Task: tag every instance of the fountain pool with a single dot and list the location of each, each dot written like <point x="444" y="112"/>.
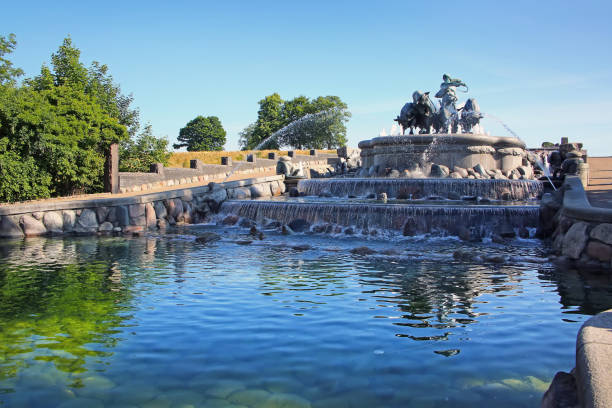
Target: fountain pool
<point x="291" y="321"/>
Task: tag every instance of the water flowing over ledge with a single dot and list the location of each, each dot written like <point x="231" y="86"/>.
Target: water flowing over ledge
<point x="418" y="188"/>
<point x="420" y="219"/>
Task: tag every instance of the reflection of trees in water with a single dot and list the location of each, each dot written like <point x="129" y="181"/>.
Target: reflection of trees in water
<point x="590" y="293"/>
<point x="64" y="301"/>
<point x="441" y="290"/>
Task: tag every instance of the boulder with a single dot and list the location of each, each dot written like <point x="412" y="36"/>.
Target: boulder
<point x="230" y="220"/>
<point x="160" y="210"/>
<point x="362" y="251"/>
<point x="272" y="225"/>
<point x="275" y="189"/>
<point x="294" y="192"/>
<point x="31" y="226"/>
<point x="68" y="220"/>
<point x="410" y="228"/>
<point x="150" y="216"/>
<point x="349" y="231"/>
<point x="561" y="393"/>
<point x="299" y="225"/>
<point x="260" y="190"/>
<point x="215" y="197"/>
<point x="106" y="227"/>
<point x="461" y="171"/>
<point x="87" y="222"/>
<point x="38" y="215"/>
<point x="123" y="216"/>
<point x="208" y="237"/>
<point x="174" y="207"/>
<point x="102" y="213"/>
<point x="599" y="250"/>
<point x="478" y="169"/>
<point x="575" y="240"/>
<point x="525" y="171"/>
<point x="54" y="222"/>
<point x="603" y="233"/>
<point x="439" y="170"/>
<point x="241" y="193"/>
<point x="455" y="175"/>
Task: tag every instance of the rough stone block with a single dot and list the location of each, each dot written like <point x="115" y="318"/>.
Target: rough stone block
<point x="260" y="190"/>
<point x="102" y="214"/>
<point x="68" y="220"/>
<point x="123" y="217"/>
<point x="106" y="227"/>
<point x="575" y="240"/>
<point x="87" y="222"/>
<point x="603" y="233"/>
<point x="137" y="210"/>
<point x="461" y="171"/>
<point x="38" y="215"/>
<point x="599" y="250"/>
<point x="151" y="219"/>
<point x="241" y="193"/>
<point x="54" y="222"/>
<point x="275" y="189"/>
<point x="9" y="227"/>
<point x="160" y="210"/>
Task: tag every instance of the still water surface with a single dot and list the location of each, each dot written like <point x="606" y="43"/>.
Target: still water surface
<point x="164" y="321"/>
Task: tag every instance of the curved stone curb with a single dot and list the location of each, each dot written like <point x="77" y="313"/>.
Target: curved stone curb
<point x="594" y="361"/>
<point x="576" y="204"/>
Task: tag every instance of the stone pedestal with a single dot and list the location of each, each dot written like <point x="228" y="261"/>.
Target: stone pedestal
<point x="111" y="170"/>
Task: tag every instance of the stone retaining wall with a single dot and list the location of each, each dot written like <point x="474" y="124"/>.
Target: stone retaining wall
<point x="129" y="214"/>
<point x="174" y="176"/>
<point x="581" y="233"/>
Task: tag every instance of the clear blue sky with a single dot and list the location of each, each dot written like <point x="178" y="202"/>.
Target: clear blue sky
<point x="543" y="67"/>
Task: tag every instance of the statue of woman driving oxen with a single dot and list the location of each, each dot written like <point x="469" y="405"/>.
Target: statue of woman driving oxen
<point x="422" y="113"/>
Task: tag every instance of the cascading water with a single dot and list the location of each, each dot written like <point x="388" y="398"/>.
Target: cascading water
<point x="518" y="190"/>
<point x="422" y="218"/>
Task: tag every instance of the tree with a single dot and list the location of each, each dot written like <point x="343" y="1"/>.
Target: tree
<point x="306" y="124"/>
<point x="137" y="154"/>
<point x="8" y="74"/>
<point x="202" y="133"/>
<point x="53" y="134"/>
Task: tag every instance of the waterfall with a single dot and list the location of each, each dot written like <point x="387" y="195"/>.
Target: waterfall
<point x="517" y="190"/>
<point x="442" y="219"/>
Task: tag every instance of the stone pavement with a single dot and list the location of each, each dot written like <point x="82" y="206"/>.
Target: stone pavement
<point x="599" y="189"/>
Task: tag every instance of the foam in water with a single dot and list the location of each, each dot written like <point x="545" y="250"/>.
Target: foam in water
<point x="520" y="190"/>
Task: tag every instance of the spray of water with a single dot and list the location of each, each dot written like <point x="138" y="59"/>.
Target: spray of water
<point x="538" y="161"/>
<point x="292" y="128"/>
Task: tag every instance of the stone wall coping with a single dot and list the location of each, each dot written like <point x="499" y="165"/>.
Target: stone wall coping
<point x="576" y="205"/>
<point x="454" y="138"/>
<point x="594" y="361"/>
<point x="143" y="198"/>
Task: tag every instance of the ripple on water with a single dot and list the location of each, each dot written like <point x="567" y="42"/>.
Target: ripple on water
<point x="164" y="321"/>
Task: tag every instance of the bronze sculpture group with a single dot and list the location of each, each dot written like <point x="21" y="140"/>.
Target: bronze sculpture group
<point x="423" y="114"/>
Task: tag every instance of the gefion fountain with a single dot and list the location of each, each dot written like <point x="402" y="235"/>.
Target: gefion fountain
<point x="445" y="177"/>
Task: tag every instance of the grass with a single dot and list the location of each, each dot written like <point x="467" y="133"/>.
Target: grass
<point x="181" y="159"/>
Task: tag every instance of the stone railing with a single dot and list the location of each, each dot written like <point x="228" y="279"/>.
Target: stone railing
<point x="582" y="233"/>
<point x="161" y="177"/>
<point x="131" y="214"/>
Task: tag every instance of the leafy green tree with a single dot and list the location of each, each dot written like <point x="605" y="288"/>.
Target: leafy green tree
<point x="137" y="154"/>
<point x="8" y="73"/>
<point x="269" y="120"/>
<point x="308" y="124"/>
<point x="202" y="133"/>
